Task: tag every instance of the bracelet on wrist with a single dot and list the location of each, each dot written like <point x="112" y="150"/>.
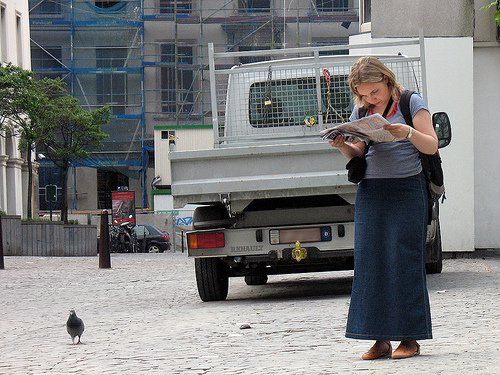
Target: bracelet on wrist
<point x="410" y="132"/>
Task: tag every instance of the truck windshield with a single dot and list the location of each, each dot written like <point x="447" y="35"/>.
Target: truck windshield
<point x="292" y="102"/>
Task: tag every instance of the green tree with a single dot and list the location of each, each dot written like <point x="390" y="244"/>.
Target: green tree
<point x="22" y="100"/>
<point x="68" y="132"/>
<point x="494" y="4"/>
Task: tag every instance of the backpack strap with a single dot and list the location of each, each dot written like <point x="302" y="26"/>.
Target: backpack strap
<point x="404" y="105"/>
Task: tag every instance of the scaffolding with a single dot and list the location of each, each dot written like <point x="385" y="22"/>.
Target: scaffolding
<point x="148" y="59"/>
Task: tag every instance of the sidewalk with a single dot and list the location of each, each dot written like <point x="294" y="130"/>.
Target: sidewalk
<point x="144" y="316"/>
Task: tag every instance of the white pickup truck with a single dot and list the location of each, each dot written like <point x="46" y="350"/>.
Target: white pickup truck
<point x="274" y="198"/>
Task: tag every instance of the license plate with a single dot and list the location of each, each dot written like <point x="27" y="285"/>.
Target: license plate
<point x="312" y="234"/>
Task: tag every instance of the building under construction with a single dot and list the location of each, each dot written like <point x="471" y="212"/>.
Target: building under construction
<point x="147" y="60"/>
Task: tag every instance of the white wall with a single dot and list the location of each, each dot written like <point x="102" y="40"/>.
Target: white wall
<point x="15" y="49"/>
<point x="20" y="8"/>
<point x="449" y="65"/>
<point x="187" y="139"/>
<point x="486" y="140"/>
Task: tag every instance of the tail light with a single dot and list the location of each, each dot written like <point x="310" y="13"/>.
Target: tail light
<point x="164" y="237"/>
<point x="206" y="240"/>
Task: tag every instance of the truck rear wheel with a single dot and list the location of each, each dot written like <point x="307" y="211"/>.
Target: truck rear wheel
<point x="256" y="279"/>
<point x="212" y="279"/>
<point x="436" y="250"/>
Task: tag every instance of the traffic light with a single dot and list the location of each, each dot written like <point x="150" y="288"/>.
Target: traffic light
<point x="51" y="193"/>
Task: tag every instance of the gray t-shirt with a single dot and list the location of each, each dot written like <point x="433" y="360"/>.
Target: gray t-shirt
<point x="394" y="159"/>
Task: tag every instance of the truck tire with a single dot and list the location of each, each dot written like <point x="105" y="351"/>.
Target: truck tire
<point x="436" y="250"/>
<point x="256" y="279"/>
<point x="212" y="279"/>
<point x="210" y="217"/>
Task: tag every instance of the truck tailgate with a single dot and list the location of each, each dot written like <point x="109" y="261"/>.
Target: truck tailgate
<point x="253" y="172"/>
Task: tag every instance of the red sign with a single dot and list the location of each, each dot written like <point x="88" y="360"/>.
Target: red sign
<point x="123" y="207"/>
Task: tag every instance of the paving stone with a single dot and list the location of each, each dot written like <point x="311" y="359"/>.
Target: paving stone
<point x="144" y="316"/>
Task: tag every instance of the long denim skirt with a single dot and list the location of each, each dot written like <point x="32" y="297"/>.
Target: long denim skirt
<point x="389" y="299"/>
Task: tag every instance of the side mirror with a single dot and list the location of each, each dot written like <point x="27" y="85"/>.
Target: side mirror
<point x="442" y="126"/>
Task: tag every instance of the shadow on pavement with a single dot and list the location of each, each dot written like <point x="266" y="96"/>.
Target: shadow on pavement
<point x="293" y="289"/>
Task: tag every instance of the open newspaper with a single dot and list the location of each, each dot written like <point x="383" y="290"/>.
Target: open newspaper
<point x="369" y="128"/>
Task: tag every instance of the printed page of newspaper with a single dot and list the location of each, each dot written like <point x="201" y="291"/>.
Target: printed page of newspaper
<point x="369" y="128"/>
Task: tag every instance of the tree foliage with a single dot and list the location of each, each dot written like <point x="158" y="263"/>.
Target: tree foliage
<point x="494" y="4"/>
<point x="68" y="133"/>
<point x="43" y="114"/>
<point x="22" y="99"/>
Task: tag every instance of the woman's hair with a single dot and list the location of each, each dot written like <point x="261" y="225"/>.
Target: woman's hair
<point x="369" y="69"/>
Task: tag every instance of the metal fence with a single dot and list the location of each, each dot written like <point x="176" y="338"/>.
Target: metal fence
<point x="295" y="95"/>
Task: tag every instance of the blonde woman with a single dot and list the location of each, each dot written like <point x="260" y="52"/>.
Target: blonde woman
<point x="389" y="299"/>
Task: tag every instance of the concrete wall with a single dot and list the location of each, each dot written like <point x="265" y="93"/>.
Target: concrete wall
<point x="453" y="95"/>
<point x="404" y="18"/>
<point x="485" y="29"/>
<point x="476" y="213"/>
<point x="17" y="50"/>
<point x="86" y="188"/>
<point x="186" y="139"/>
<point x="486" y="138"/>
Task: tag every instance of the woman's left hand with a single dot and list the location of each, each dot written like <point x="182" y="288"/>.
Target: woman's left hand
<point x="399" y="131"/>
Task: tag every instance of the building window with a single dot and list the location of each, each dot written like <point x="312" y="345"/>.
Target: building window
<point x="254" y="6"/>
<point x="175" y="6"/>
<point x="19" y="40"/>
<point x="367" y="11"/>
<point x="332" y="5"/>
<point x="3" y="36"/>
<point x="177" y="79"/>
<point x="106" y="3"/>
<point x="111" y="86"/>
<point x="318" y="42"/>
<point x="366" y="16"/>
<point x="168" y="134"/>
<point x="47" y="7"/>
<point x="252" y="59"/>
<point x="46" y="62"/>
<point x="46" y="58"/>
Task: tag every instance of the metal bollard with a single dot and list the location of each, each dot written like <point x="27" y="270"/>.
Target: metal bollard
<point x="104" y="256"/>
<point x="2" y="266"/>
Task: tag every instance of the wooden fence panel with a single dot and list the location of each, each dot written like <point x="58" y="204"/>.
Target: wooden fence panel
<point x="11" y="230"/>
<point x="47" y="238"/>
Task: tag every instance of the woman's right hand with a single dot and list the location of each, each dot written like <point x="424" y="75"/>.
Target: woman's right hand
<point x="338" y="142"/>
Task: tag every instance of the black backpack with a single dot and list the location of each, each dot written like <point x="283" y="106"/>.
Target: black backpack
<point x="431" y="164"/>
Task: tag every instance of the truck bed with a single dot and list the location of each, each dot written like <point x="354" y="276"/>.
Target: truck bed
<point x="258" y="172"/>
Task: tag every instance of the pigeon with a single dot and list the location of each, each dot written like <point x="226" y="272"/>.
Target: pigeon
<point x="74" y="326"/>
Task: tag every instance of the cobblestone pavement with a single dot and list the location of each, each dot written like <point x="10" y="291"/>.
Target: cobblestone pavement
<point x="144" y="316"/>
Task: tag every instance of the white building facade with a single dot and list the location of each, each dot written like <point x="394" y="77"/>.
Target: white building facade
<point x="14" y="49"/>
<point x="462" y="57"/>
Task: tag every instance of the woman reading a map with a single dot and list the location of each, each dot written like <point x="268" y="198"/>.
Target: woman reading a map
<point x="389" y="299"/>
